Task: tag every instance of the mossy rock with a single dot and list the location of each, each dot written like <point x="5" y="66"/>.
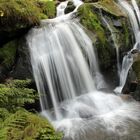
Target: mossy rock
<point x="91" y="16"/>
<point x="24" y="125"/>
<point x="18" y="16"/>
<point x="90" y="20"/>
<point x="47" y="7"/>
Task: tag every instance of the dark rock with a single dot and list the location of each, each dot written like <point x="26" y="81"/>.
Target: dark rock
<point x="133" y="86"/>
<point x="70" y="7"/>
<point x="7" y="58"/>
<point x="3" y="73"/>
<point x="22" y="68"/>
<point x="135" y="51"/>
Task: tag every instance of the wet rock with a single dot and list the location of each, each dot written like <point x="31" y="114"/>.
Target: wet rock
<point x="70" y="7"/>
<point x="22" y="68"/>
<point x="135" y="51"/>
<point x="133" y="86"/>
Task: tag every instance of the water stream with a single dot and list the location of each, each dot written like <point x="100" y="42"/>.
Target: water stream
<point x="128" y="58"/>
<point x="68" y="79"/>
<point x="115" y="43"/>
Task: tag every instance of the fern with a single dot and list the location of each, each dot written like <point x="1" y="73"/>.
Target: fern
<point x="24" y="125"/>
<point x="15" y="94"/>
<point x="17" y="123"/>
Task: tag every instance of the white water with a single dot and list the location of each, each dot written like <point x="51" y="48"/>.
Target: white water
<point x="128" y="59"/>
<point x="68" y="83"/>
<point x="115" y="43"/>
<point x="61" y="8"/>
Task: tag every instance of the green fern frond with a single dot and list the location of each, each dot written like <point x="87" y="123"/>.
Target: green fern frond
<point x="15" y="94"/>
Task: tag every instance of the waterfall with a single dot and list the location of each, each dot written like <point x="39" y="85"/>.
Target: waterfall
<point x="115" y="43"/>
<point x="61" y="7"/>
<point x="128" y="59"/>
<point x="68" y="80"/>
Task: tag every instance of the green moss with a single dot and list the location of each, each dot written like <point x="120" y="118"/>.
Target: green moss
<point x="8" y="53"/>
<point x="91" y="21"/>
<point x="47" y="7"/>
<point x="24" y="125"/>
<point x="18" y="14"/>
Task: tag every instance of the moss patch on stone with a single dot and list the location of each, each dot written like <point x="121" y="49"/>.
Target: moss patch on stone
<point x="90" y="20"/>
<point x="47" y="7"/>
<point x="20" y="14"/>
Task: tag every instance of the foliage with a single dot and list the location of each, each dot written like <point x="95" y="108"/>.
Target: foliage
<point x="18" y="83"/>
<point x="15" y="94"/>
<point x="24" y="125"/>
<point x="4" y="113"/>
<point x="15" y="122"/>
<point x="8" y="53"/>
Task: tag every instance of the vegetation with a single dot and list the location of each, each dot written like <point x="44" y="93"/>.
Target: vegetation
<point x="17" y="123"/>
<point x="24" y="125"/>
<point x="15" y="94"/>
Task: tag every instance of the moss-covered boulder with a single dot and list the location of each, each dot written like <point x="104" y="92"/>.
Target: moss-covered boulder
<point x="17" y="16"/>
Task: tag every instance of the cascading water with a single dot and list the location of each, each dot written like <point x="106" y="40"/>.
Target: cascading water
<point x="68" y="83"/>
<point x="61" y="7"/>
<point x="128" y="59"/>
<point x="115" y="43"/>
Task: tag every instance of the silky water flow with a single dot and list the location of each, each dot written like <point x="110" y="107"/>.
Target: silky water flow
<point x="68" y="79"/>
